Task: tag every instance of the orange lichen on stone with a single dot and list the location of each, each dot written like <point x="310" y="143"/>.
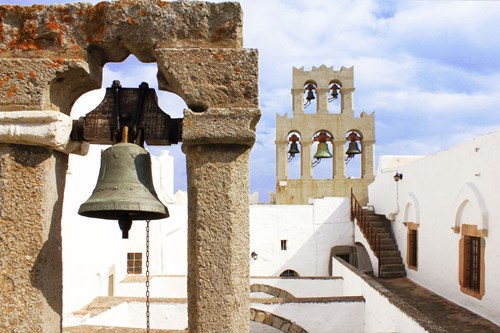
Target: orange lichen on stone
<point x="55" y="62"/>
<point x="131" y="21"/>
<point x="95" y="27"/>
<point x="52" y="24"/>
<point x="142" y="13"/>
<point x="237" y="69"/>
<point x="219" y="56"/>
<point x="32" y="74"/>
<point x="12" y="91"/>
<point x="20" y="75"/>
<point x="2" y="83"/>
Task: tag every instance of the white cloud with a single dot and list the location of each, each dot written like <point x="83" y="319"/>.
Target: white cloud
<point x="429" y="69"/>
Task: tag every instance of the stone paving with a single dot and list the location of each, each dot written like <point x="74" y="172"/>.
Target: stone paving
<point x="449" y="317"/>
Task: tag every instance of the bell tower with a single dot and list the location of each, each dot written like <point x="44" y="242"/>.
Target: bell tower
<point x="323" y="129"/>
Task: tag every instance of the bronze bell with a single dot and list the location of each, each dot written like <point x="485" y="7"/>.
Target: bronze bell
<point x="294" y="149"/>
<point x="322" y="151"/>
<point x="353" y="149"/>
<point x="124" y="189"/>
<point x="310" y="95"/>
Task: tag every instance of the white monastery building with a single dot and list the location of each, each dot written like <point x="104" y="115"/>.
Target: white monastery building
<point x="310" y="261"/>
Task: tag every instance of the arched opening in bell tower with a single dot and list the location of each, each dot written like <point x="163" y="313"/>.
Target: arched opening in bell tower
<point x="353" y="154"/>
<point x="322" y="149"/>
<point x="310" y="97"/>
<point x="114" y="266"/>
<point x="334" y="96"/>
<point x="294" y="155"/>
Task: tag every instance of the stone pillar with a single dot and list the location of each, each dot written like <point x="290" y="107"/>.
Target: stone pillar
<point x="367" y="159"/>
<point x="339" y="159"/>
<point x="322" y="100"/>
<point x="31" y="194"/>
<point x="32" y="179"/>
<point x="306" y="159"/>
<point x="346" y="101"/>
<point x="298" y="101"/>
<point x="217" y="145"/>
<point x="281" y="160"/>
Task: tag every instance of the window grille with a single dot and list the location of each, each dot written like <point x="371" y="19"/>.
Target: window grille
<point x="412" y="248"/>
<point x="472" y="264"/>
<point x="134" y="263"/>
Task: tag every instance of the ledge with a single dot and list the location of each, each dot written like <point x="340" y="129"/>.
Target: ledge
<point x="40" y="128"/>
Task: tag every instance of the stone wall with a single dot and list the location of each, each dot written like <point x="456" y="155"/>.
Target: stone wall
<point x="51" y="55"/>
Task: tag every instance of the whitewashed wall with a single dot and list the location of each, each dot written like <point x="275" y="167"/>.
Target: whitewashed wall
<point x="380" y="315"/>
<point x="429" y="194"/>
<point x="93" y="249"/>
<point x="310" y="230"/>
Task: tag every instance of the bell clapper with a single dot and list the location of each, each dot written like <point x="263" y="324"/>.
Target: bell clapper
<point x="125" y="224"/>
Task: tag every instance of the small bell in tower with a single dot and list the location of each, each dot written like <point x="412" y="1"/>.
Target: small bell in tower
<point x="310" y="94"/>
<point x="322" y="150"/>
<point x="294" y="147"/>
<point x="353" y="148"/>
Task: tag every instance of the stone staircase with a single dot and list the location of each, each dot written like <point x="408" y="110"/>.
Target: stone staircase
<point x="390" y="261"/>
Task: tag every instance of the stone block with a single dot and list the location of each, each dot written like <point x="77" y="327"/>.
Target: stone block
<point x="43" y="84"/>
<point x="277" y="322"/>
<point x="210" y="78"/>
<point x="220" y="126"/>
<point x="260" y="316"/>
<point x="268" y="320"/>
<point x="110" y="31"/>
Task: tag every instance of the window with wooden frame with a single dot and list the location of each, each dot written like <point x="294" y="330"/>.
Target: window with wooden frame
<point x="134" y="263"/>
<point x="471" y="265"/>
<point x="412" y="246"/>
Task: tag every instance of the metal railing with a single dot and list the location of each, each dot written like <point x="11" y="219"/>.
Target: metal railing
<point x="371" y="235"/>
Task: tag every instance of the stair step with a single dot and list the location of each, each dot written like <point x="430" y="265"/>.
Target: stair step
<point x="388" y="247"/>
<point x="392" y="267"/>
<point x="391" y="260"/>
<point x="392" y="275"/>
<point x="390" y="253"/>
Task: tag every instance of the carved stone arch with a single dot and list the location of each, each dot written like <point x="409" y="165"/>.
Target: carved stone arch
<point x="310" y="81"/>
<point x="411" y="208"/>
<point x="51" y="55"/>
<point x="357" y="131"/>
<point x="270" y="319"/>
<point x="469" y="207"/>
<point x="336" y="81"/>
<point x="270" y="290"/>
<point x="294" y="131"/>
<point x="329" y="132"/>
<point x="204" y="63"/>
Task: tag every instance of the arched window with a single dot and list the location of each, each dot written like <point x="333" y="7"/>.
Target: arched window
<point x="289" y="273"/>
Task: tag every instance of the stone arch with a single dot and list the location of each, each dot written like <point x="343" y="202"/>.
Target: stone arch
<point x="203" y="63"/>
<point x="52" y="54"/>
<point x="270" y="319"/>
<point x="411" y="208"/>
<point x="470" y="204"/>
<point x="270" y="290"/>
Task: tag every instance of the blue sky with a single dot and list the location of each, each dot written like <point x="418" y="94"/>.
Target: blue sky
<point x="430" y="70"/>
